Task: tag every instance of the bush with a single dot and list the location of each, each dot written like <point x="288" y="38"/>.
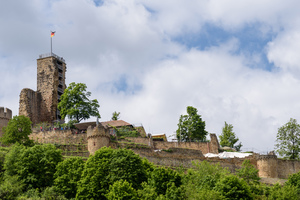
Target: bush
<point x="10" y="188"/>
<point x="279" y="192"/>
<point x="248" y="172"/>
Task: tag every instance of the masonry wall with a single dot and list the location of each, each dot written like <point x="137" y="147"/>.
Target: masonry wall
<point x="287" y="167"/>
<point x="59" y="137"/>
<point x="47" y="85"/>
<point x="205" y="147"/>
<point x="5" y="116"/>
<point x="29" y="104"/>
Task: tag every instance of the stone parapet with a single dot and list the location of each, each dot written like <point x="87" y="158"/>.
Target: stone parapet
<point x="5" y="116"/>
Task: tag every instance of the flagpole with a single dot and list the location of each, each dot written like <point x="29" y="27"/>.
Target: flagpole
<point x="51" y="46"/>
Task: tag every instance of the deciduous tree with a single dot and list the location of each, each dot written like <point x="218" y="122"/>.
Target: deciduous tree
<point x="191" y="127"/>
<point x="75" y="103"/>
<point x="115" y="116"/>
<point x="288" y="140"/>
<point x="17" y="130"/>
<point x="228" y="137"/>
<point x="34" y="166"/>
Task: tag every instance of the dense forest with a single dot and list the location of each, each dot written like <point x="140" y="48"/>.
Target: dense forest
<point x="41" y="172"/>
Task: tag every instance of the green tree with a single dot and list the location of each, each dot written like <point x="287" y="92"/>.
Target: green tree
<point x="248" y="172"/>
<point x="121" y="190"/>
<point x="34" y="166"/>
<point x="191" y="127"/>
<point x="115" y="116"/>
<point x="231" y="187"/>
<point x="200" y="180"/>
<point x="17" y="130"/>
<point x="161" y="177"/>
<point x="67" y="174"/>
<point x="107" y="166"/>
<point x="228" y="137"/>
<point x="294" y="180"/>
<point x="286" y="192"/>
<point x="75" y="103"/>
<point x="288" y="140"/>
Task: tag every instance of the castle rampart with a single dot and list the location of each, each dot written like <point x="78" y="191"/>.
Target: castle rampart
<point x="97" y="138"/>
<point x="5" y="116"/>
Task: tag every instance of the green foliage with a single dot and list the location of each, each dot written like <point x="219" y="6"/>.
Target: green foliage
<point x="286" y="192"/>
<point x="49" y="193"/>
<point x="231" y="187"/>
<point x="203" y="176"/>
<point x="121" y="190"/>
<point x="107" y="166"/>
<point x="147" y="192"/>
<point x="288" y="140"/>
<point x="125" y="131"/>
<point x="10" y="188"/>
<point x="228" y="137"/>
<point x="75" y="103"/>
<point x="294" y="180"/>
<point x="248" y="172"/>
<point x="35" y="166"/>
<point x="17" y="130"/>
<point x="3" y="152"/>
<point x="115" y="116"/>
<point x="191" y="127"/>
<point x="68" y="173"/>
<point x="161" y="177"/>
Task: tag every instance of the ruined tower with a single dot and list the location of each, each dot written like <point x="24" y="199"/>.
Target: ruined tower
<point x="5" y="116"/>
<point x="41" y="105"/>
<point x="97" y="138"/>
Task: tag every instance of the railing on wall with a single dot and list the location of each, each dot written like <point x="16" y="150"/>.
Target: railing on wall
<point x="51" y="55"/>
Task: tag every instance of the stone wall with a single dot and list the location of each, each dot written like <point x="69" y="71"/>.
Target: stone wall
<point x="5" y="116"/>
<point x="29" y="104"/>
<point x="59" y="137"/>
<point x="205" y="147"/>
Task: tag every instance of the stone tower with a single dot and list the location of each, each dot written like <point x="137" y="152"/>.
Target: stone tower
<point x="51" y="76"/>
<point x="97" y="138"/>
<point x="41" y="105"/>
<point x="5" y="116"/>
<point x="267" y="166"/>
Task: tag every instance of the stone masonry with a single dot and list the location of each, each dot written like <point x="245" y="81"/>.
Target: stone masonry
<point x="5" y="116"/>
<point x="41" y="105"/>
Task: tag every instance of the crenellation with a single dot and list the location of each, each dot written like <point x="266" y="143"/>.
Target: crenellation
<point x="5" y="116"/>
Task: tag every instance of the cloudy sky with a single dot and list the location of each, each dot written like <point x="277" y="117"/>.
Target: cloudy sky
<point x="235" y="61"/>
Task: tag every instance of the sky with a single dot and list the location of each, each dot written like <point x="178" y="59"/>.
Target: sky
<point x="235" y="61"/>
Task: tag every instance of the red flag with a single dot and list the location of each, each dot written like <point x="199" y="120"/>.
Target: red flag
<point x="52" y="33"/>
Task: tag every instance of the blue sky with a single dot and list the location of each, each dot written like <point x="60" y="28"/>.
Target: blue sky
<point x="235" y="61"/>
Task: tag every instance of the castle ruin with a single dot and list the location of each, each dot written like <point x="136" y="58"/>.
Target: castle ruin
<point x="41" y="105"/>
<point x="5" y="116"/>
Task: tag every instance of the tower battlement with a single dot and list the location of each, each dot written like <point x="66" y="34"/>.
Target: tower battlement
<point x="5" y="116"/>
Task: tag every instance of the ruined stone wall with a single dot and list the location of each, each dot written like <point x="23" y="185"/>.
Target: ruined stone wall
<point x="5" y="116"/>
<point x="29" y="104"/>
<point x="59" y="137"/>
<point x="267" y="165"/>
<point x="205" y="147"/>
<point x="287" y="167"/>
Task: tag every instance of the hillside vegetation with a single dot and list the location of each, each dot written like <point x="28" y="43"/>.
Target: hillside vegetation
<point x="40" y="172"/>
